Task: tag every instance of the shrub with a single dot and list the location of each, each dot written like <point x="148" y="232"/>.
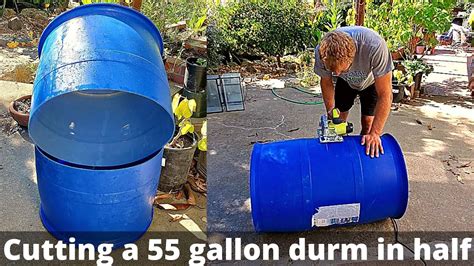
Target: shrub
<point x="272" y="28"/>
<point x="402" y="23"/>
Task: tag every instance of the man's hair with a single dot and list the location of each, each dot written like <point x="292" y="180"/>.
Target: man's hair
<point x="335" y="48"/>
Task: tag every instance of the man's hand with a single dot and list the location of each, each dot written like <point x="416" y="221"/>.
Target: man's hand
<point x="373" y="144"/>
<point x="372" y="141"/>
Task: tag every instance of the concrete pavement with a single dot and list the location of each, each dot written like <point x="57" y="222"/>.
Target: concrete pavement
<point x="436" y="152"/>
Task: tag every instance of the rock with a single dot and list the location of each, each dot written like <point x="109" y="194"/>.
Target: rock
<point x="4" y="40"/>
<point x="34" y="13"/>
<point x="15" y="24"/>
<point x="8" y="13"/>
<point x="250" y="69"/>
<point x="23" y="39"/>
<point x="292" y="66"/>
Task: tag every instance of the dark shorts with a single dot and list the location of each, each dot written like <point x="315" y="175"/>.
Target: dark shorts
<point x="345" y="96"/>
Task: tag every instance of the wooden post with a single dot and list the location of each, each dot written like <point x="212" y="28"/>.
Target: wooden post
<point x="135" y="4"/>
<point x="360" y="9"/>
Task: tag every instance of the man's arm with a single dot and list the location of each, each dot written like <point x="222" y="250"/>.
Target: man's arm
<point x="383" y="86"/>
<point x="327" y="88"/>
<point x="372" y="141"/>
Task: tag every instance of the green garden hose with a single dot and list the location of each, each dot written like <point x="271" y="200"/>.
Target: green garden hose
<point x="296" y="101"/>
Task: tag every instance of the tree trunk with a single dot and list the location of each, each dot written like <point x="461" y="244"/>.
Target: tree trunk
<point x="360" y="8"/>
<point x="278" y="61"/>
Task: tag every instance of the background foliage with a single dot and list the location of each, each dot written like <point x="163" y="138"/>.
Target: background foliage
<point x="402" y="22"/>
<point x="165" y="12"/>
<point x="257" y="27"/>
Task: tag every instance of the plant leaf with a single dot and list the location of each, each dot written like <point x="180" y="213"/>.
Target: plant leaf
<point x="183" y="109"/>
<point x="192" y="105"/>
<point x="202" y="144"/>
<point x="187" y="127"/>
<point x="175" y="102"/>
<point x="12" y="45"/>
<point x="204" y="129"/>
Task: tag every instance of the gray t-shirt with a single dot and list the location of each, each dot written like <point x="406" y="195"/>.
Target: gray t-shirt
<point x="372" y="58"/>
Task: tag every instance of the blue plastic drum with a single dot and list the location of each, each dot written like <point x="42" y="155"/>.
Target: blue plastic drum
<point x="301" y="184"/>
<point x="101" y="95"/>
<point x="101" y="205"/>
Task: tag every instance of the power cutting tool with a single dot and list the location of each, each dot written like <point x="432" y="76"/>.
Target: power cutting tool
<point x="332" y="130"/>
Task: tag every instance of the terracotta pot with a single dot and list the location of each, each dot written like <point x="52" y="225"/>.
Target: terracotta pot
<point x="20" y="118"/>
<point x="420" y="49"/>
<point x="396" y="56"/>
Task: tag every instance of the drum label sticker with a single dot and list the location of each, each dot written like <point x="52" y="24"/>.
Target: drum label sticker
<point x="336" y="214"/>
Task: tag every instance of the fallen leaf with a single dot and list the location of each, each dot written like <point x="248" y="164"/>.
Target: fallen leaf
<point x="430" y="127"/>
<point x="12" y="45"/>
<point x="176" y="219"/>
<point x="266" y="77"/>
<point x="197" y="184"/>
<point x="180" y="195"/>
<point x="181" y="206"/>
<point x="173" y="206"/>
<point x="163" y="196"/>
<point x="189" y="194"/>
<point x="165" y="206"/>
<point x="419" y="121"/>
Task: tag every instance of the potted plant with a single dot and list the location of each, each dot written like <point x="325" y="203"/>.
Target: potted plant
<point x="195" y="74"/>
<point x="195" y="80"/>
<point x="394" y="45"/>
<point x="398" y="54"/>
<point x="420" y="48"/>
<point x="20" y="110"/>
<point x="417" y="69"/>
<point x="400" y="85"/>
<point x="409" y="21"/>
<point x="178" y="154"/>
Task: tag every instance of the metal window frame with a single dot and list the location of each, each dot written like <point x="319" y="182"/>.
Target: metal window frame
<point x="214" y="109"/>
<point x="228" y="104"/>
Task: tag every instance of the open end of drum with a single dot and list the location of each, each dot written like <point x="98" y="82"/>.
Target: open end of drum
<point x="101" y="127"/>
